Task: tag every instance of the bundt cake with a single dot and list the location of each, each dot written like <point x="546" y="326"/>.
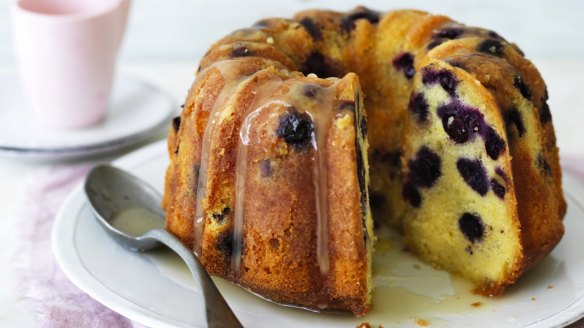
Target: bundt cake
<point x="279" y="160"/>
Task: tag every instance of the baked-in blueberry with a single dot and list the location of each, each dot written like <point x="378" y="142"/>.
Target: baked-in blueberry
<point x="544" y="113"/>
<point x="445" y="78"/>
<point x="434" y="43"/>
<point x="495" y="35"/>
<point x="523" y="88"/>
<point x="412" y="195"/>
<point x="296" y="128"/>
<point x="361" y="176"/>
<point x="266" y="168"/>
<point x="240" y="50"/>
<point x="405" y="62"/>
<point x="472" y="227"/>
<point x="220" y="217"/>
<point x="513" y="117"/>
<point x="418" y="106"/>
<point x="311" y="90"/>
<point x="494" y="144"/>
<point x="425" y="168"/>
<point x="346" y="105"/>
<point x="225" y="243"/>
<point x="176" y="123"/>
<point x="498" y="189"/>
<point x="348" y="21"/>
<point x="543" y="165"/>
<point x="312" y="28"/>
<point x="474" y="174"/>
<point x="261" y="23"/>
<point x="461" y="122"/>
<point x="501" y="173"/>
<point x="448" y="33"/>
<point x="491" y="47"/>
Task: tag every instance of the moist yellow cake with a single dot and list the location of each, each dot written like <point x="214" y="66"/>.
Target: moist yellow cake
<point x="275" y="165"/>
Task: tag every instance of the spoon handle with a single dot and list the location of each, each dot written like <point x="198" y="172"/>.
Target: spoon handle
<point x="219" y="314"/>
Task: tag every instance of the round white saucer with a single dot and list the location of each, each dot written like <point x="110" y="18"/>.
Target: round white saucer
<point x="137" y="111"/>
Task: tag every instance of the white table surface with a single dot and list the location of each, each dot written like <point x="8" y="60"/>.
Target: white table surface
<point x="565" y="81"/>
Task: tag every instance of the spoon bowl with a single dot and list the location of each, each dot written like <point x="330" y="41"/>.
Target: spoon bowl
<point x="129" y="211"/>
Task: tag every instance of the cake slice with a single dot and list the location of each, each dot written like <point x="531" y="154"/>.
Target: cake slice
<point x="461" y="183"/>
<point x="298" y="145"/>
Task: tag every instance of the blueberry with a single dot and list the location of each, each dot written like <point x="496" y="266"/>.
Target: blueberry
<point x="346" y="105"/>
<point x="176" y="123"/>
<point x="240" y="50"/>
<point x="494" y="144"/>
<point x="520" y="85"/>
<point x="495" y="35"/>
<point x="498" y="189"/>
<point x="446" y="79"/>
<point x="501" y="173"/>
<point x="312" y="28"/>
<point x="544" y="113"/>
<point x="457" y="63"/>
<point x="296" y="128"/>
<point x="363" y="125"/>
<point x="460" y="122"/>
<point x="434" y="43"/>
<point x="220" y="217"/>
<point x="543" y="165"/>
<point x="472" y="227"/>
<point x="419" y="107"/>
<point x="311" y="90"/>
<point x="225" y="243"/>
<point x="474" y="174"/>
<point x="405" y="62"/>
<point x="513" y="117"/>
<point x="261" y="23"/>
<point x="361" y="177"/>
<point x="412" y="195"/>
<point x="449" y="33"/>
<point x="266" y="168"/>
<point x="425" y="169"/>
<point x="348" y="22"/>
<point x="491" y="47"/>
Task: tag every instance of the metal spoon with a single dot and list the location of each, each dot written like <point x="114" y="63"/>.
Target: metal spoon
<point x="111" y="191"/>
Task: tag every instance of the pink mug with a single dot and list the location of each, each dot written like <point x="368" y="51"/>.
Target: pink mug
<point x="66" y="53"/>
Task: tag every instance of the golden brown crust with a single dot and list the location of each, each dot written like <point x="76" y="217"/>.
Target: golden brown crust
<point x="279" y="234"/>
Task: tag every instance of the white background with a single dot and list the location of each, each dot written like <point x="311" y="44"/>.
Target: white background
<point x="166" y="38"/>
<point x="183" y="29"/>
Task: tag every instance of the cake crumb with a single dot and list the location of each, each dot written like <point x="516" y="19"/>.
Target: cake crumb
<point x="476" y="304"/>
<point x="550" y="286"/>
<point x="533" y="299"/>
<point x="366" y="325"/>
<point x="422" y="323"/>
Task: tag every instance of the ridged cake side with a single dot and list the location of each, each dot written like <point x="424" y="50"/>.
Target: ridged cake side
<point x="462" y="153"/>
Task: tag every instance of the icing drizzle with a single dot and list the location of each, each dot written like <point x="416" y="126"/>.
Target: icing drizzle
<point x="320" y="110"/>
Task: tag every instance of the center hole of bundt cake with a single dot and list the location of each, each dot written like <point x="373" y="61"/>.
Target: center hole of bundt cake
<point x="321" y="65"/>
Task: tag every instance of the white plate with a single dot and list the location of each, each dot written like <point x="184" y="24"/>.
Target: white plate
<point x="137" y="111"/>
<point x="156" y="289"/>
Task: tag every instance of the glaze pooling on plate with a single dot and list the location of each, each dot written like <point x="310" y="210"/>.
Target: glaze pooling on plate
<point x="133" y="288"/>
